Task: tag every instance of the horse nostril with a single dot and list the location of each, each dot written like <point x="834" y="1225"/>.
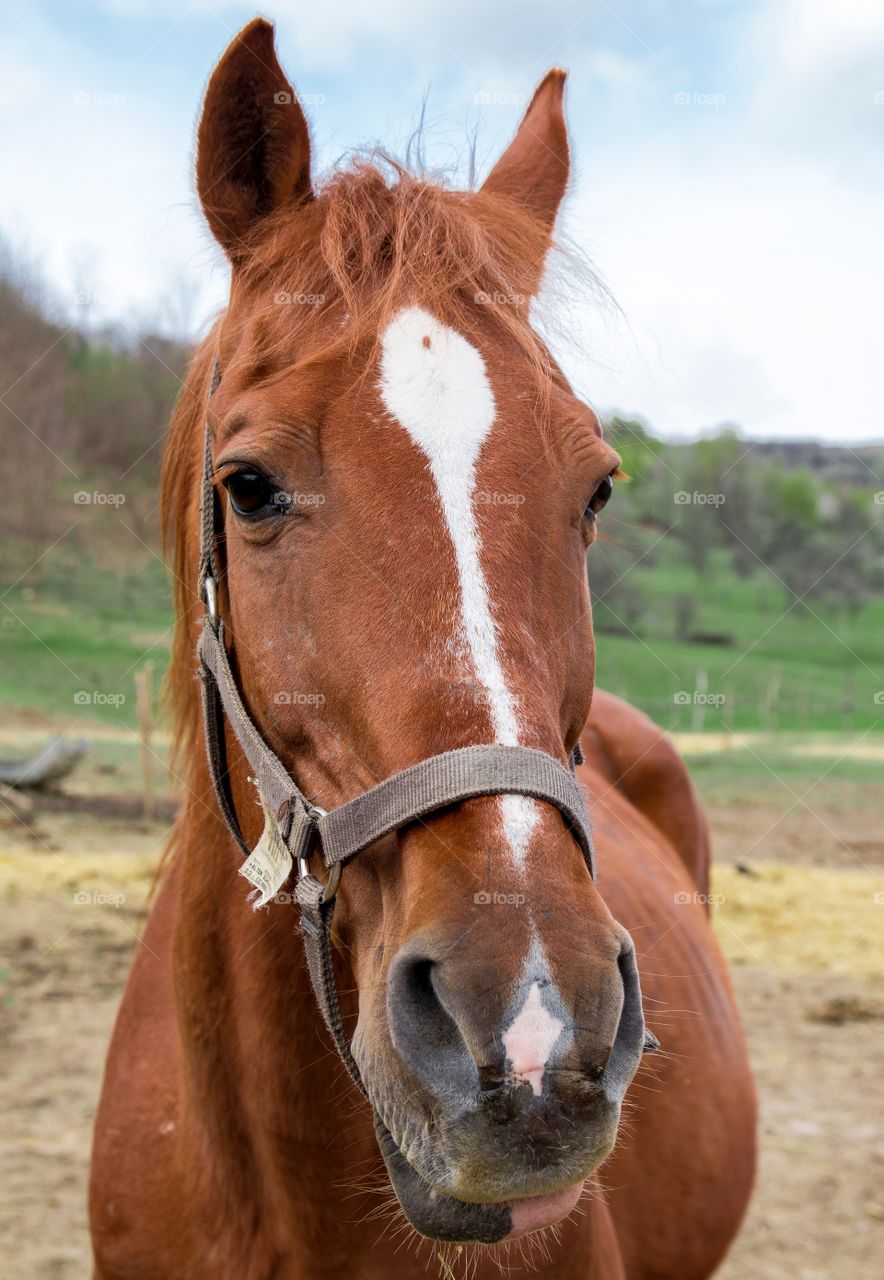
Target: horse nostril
<point x="631" y="1039"/>
<point x="414" y="1004"/>
<point x="437" y="1030"/>
<point x="424" y="1034"/>
<point x="415" y="981"/>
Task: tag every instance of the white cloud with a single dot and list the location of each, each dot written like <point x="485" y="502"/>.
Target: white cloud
<point x="816" y="33"/>
<point x="751" y="293"/>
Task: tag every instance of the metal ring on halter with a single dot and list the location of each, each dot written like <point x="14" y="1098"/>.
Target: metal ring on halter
<point x="211" y="595"/>
<point x="330" y="888"/>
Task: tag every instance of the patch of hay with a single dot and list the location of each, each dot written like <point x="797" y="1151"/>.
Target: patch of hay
<point x="112" y="879"/>
<point x="802" y="919"/>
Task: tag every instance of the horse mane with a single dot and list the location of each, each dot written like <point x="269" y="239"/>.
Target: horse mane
<point x="374" y="238"/>
<point x="180" y="488"/>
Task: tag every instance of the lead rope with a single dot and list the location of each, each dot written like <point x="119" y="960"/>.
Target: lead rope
<point x="405" y="797"/>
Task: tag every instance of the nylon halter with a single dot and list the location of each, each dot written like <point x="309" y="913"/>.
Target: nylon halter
<point x="300" y="829"/>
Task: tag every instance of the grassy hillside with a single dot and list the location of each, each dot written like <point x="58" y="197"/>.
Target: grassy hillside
<point x="73" y="633"/>
<point x="776" y="664"/>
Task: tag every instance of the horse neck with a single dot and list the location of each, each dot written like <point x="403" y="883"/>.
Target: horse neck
<point x="263" y="1088"/>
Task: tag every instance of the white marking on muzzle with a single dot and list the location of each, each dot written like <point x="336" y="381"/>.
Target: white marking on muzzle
<point x="434" y="383"/>
<point x="529" y="1039"/>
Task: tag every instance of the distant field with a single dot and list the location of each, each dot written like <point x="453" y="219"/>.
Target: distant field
<point x="83" y="626"/>
<point x="73" y="635"/>
<point x="781" y="665"/>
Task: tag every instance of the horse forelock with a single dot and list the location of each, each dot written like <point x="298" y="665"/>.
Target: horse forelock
<point x="377" y="238"/>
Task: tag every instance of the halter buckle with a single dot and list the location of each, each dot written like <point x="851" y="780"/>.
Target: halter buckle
<point x="330" y="888"/>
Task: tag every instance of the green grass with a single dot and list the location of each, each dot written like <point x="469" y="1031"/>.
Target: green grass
<point x="72" y="644"/>
<point x="784" y="667"/>
<point x="777" y="768"/>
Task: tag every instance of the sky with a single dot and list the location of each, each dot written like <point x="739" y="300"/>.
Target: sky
<point x="728" y="181"/>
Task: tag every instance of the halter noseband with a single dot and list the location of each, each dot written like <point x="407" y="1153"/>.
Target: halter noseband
<point x="295" y="828"/>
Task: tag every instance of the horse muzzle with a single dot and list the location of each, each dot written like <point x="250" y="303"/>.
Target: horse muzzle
<point x="482" y="1154"/>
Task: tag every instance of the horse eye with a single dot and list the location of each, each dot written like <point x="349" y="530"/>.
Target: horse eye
<point x="599" y="499"/>
<point x="251" y="493"/>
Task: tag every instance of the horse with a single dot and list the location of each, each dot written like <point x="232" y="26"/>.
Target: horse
<point x="378" y="493"/>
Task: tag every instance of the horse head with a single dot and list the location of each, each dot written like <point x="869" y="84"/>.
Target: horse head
<point x="408" y="486"/>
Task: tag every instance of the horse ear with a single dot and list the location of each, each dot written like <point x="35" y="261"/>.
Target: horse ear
<point x="253" y="146"/>
<point x="533" y="171"/>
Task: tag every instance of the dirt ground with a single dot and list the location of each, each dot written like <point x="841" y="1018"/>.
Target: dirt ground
<point x="801" y="923"/>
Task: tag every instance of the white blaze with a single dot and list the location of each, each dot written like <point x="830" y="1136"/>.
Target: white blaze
<point x="434" y="383"/>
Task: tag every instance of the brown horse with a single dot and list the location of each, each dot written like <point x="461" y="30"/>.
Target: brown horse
<point x="406" y="487"/>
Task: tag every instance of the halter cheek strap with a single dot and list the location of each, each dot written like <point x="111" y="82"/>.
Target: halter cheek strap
<point x="299" y="828"/>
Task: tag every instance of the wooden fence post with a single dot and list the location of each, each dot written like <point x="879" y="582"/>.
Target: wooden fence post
<point x="144" y="706"/>
<point x="701" y="684"/>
